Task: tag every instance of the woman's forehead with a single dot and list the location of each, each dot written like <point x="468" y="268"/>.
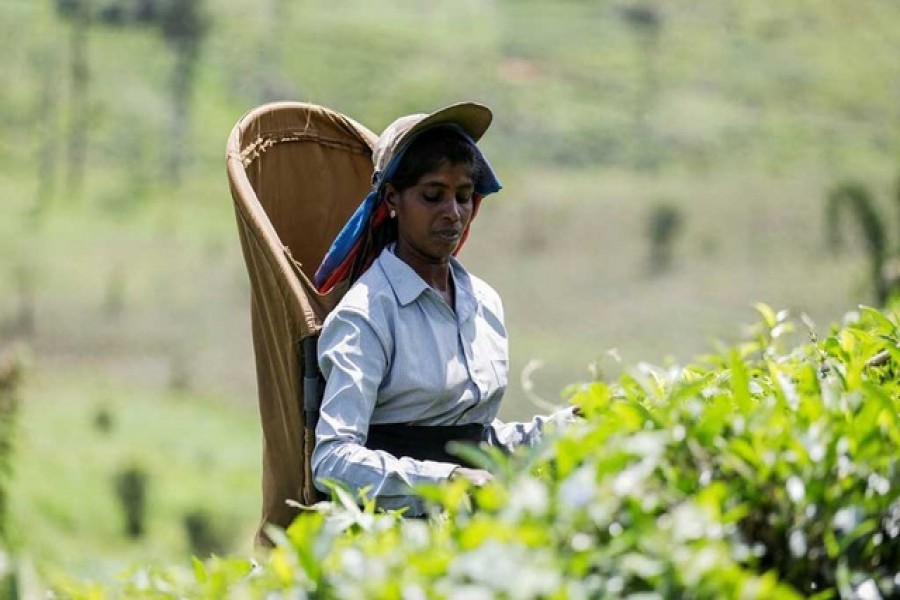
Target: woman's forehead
<point x="449" y="174"/>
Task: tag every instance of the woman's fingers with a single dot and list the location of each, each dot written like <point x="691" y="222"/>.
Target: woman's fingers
<point x="477" y="477"/>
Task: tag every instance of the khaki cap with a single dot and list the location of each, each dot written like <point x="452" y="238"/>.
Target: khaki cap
<point x="471" y="117"/>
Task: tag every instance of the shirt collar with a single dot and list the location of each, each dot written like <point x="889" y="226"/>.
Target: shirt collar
<point x="406" y="283"/>
<point x="408" y="286"/>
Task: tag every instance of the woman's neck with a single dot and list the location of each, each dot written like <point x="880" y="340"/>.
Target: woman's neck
<point x="435" y="273"/>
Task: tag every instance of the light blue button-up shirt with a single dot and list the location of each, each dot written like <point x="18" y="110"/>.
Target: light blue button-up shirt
<point x="393" y="351"/>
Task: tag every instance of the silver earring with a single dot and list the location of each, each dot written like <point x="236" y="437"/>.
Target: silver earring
<point x="393" y="213"/>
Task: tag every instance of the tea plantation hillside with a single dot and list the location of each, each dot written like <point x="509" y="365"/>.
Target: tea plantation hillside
<point x="588" y="84"/>
<point x="739" y="116"/>
<point x="666" y="165"/>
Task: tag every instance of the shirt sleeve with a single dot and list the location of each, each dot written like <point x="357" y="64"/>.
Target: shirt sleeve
<point x="354" y="360"/>
<point x="510" y="435"/>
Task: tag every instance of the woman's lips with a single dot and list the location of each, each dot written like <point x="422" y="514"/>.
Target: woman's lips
<point x="448" y="235"/>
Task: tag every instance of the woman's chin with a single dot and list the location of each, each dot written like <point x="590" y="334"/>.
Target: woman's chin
<point x="448" y="242"/>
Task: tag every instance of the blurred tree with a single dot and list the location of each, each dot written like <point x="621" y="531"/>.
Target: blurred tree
<point x="133" y="14"/>
<point x="23" y="323"/>
<point x="897" y="207"/>
<point x="663" y="226"/>
<point x="131" y="490"/>
<point x="78" y="13"/>
<point x="129" y="13"/>
<point x="646" y="21"/>
<point x="46" y="64"/>
<point x="184" y="26"/>
<point x="10" y="380"/>
<point x="114" y="295"/>
<point x="204" y="538"/>
<point x="272" y="84"/>
<point x="103" y="420"/>
<point x="147" y="11"/>
<point x="855" y="198"/>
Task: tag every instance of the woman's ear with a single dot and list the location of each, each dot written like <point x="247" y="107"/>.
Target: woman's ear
<point x="390" y="196"/>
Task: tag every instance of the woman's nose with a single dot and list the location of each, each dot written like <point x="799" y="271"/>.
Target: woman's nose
<point x="452" y="209"/>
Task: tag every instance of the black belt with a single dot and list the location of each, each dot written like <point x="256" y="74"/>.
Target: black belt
<point x="423" y="442"/>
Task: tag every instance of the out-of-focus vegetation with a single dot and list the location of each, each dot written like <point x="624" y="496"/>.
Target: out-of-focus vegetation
<point x="10" y="381"/>
<point x="852" y="199"/>
<point x="761" y="472"/>
<point x="121" y="274"/>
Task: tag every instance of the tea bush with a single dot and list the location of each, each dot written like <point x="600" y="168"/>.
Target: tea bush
<point x="757" y="472"/>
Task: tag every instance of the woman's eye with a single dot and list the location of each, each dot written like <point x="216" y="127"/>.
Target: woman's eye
<point x="464" y="198"/>
<point x="432" y="197"/>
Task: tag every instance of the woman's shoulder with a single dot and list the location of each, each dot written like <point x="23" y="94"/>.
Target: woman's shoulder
<point x="369" y="297"/>
<point x="366" y="293"/>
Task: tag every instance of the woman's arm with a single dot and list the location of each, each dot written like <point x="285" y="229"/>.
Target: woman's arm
<point x="354" y="360"/>
<point x="510" y="435"/>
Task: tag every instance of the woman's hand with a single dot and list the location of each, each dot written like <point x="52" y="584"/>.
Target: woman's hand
<point x="477" y="477"/>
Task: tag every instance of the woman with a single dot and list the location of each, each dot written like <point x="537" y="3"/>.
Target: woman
<point x="415" y="354"/>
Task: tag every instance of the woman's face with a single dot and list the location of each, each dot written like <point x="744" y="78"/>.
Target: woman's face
<point x="433" y="213"/>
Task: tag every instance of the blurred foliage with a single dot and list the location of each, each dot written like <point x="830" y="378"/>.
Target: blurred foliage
<point x="854" y="198"/>
<point x="664" y="223"/>
<point x="11" y="372"/>
<point x="674" y="84"/>
<point x="66" y="513"/>
<point x="103" y="420"/>
<point x="131" y="490"/>
<point x="205" y="536"/>
<point x="10" y="381"/>
<point x="757" y="472"/>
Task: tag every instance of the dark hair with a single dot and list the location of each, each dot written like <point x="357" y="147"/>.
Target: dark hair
<point x="424" y="155"/>
<point x="428" y="150"/>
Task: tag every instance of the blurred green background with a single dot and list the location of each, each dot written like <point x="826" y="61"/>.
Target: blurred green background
<point x="666" y="166"/>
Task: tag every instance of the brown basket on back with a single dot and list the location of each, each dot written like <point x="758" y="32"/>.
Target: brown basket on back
<point x="297" y="172"/>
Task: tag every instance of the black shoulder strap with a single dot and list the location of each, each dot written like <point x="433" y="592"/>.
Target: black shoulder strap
<point x="313" y="382"/>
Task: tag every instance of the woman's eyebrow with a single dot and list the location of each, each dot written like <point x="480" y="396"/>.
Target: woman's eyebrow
<point x="442" y="185"/>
